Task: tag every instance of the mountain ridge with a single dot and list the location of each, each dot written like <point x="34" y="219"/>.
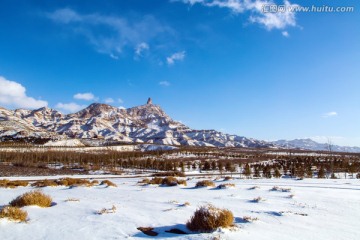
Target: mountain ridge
<point x="146" y="123"/>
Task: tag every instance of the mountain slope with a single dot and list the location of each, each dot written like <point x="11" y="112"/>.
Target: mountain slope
<point x="312" y="145"/>
<point x="143" y="124"/>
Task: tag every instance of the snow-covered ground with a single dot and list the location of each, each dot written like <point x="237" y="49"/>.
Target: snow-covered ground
<point x="319" y="209"/>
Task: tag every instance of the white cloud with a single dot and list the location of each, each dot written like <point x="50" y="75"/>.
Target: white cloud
<point x="114" y="56"/>
<point x="121" y="32"/>
<point x="285" y="34"/>
<point x="140" y="48"/>
<point x="120" y="100"/>
<point x="109" y="100"/>
<point x="13" y="94"/>
<point x="257" y="10"/>
<point x="164" y="83"/>
<point x="329" y="114"/>
<point x="85" y="96"/>
<point x="69" y="107"/>
<point x="178" y="56"/>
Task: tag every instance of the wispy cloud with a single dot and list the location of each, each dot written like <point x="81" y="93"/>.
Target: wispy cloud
<point x="329" y="114"/>
<point x="112" y="34"/>
<point x="85" y="96"/>
<point x="178" y="56"/>
<point x="13" y="94"/>
<point x="69" y="107"/>
<point x="140" y="48"/>
<point x="285" y="34"/>
<point x="164" y="83"/>
<point x="120" y="100"/>
<point x="256" y="9"/>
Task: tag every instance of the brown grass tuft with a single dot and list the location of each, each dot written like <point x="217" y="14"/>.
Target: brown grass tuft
<point x="74" y="182"/>
<point x="250" y="219"/>
<point x="45" y="183"/>
<point x="13" y="213"/>
<point x="106" y="211"/>
<point x="276" y="188"/>
<point x="205" y="183"/>
<point x="108" y="183"/>
<point x="208" y="218"/>
<point x="258" y="199"/>
<point x="32" y="198"/>
<point x="168" y="181"/>
<point x="13" y="184"/>
<point x="227" y="178"/>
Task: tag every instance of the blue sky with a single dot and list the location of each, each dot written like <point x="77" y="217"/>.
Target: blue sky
<point x="212" y="64"/>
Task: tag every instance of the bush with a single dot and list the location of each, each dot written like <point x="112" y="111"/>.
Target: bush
<point x="32" y="198"/>
<point x="74" y="182"/>
<point x="276" y="188"/>
<point x="205" y="183"/>
<point x="108" y="183"/>
<point x="227" y="178"/>
<point x="144" y="181"/>
<point x="169" y="181"/>
<point x="258" y="199"/>
<point x="45" y="183"/>
<point x="208" y="218"/>
<point x="13" y="184"/>
<point x="13" y="213"/>
<point x="249" y="219"/>
<point x="182" y="182"/>
<point x="156" y="180"/>
<point x="94" y="182"/>
<point x="358" y="175"/>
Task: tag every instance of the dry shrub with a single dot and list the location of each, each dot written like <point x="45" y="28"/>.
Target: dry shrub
<point x="250" y="219"/>
<point x="108" y="183"/>
<point x="32" y="198"/>
<point x="74" y="182"/>
<point x="182" y="182"/>
<point x="13" y="213"/>
<point x="185" y="204"/>
<point x="168" y="181"/>
<point x="226" y="185"/>
<point x="258" y="199"/>
<point x="254" y="187"/>
<point x="72" y="200"/>
<point x="205" y="183"/>
<point x="45" y="183"/>
<point x="227" y="178"/>
<point x="13" y="184"/>
<point x="156" y="180"/>
<point x="94" y="182"/>
<point x="144" y="181"/>
<point x="276" y="188"/>
<point x="105" y="211"/>
<point x="208" y="218"/>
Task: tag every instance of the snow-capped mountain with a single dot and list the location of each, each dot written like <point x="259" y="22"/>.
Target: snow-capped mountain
<point x="142" y="124"/>
<point x="312" y="145"/>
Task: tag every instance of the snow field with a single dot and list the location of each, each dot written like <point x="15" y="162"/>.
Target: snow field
<point x="319" y="209"/>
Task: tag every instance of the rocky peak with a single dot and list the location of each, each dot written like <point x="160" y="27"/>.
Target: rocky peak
<point x="94" y="109"/>
<point x="149" y="101"/>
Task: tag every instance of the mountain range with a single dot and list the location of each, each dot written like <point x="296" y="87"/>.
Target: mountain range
<point x="147" y="123"/>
